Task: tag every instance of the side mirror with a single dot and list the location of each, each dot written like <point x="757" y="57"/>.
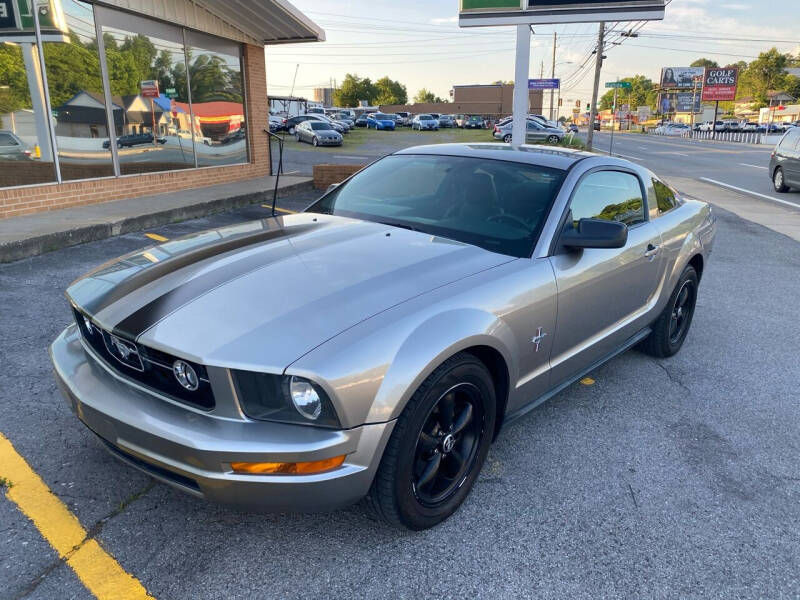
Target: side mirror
<point x="332" y="187"/>
<point x="595" y="233"/>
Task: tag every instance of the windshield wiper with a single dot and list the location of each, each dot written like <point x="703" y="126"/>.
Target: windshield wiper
<point x="400" y="225"/>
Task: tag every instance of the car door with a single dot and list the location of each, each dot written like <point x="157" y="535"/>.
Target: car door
<point x="535" y="132"/>
<point x="604" y="295"/>
<point x="789" y="150"/>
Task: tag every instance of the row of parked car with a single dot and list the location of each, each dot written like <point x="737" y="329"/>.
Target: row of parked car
<point x="732" y="125"/>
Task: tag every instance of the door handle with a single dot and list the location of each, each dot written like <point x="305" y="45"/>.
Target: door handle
<point x="651" y="251"/>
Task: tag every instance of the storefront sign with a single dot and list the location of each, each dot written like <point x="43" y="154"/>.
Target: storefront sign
<point x="544" y="84"/>
<point x="149" y="88"/>
<point x="477" y="13"/>
<point x="720" y="84"/>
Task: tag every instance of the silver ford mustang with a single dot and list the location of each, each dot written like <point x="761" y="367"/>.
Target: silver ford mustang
<point x="375" y="344"/>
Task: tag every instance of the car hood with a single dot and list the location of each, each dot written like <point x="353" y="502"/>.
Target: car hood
<point x="259" y="295"/>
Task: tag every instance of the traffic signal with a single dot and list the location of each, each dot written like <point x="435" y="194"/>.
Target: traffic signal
<point x="588" y="107"/>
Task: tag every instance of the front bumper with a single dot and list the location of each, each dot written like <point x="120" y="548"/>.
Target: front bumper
<point x="337" y="142"/>
<point x="192" y="450"/>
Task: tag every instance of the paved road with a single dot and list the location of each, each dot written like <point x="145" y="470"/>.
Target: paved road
<point x="664" y="478"/>
<point x="743" y="166"/>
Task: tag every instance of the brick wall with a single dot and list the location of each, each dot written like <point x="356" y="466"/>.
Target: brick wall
<point x="324" y="175"/>
<point x="32" y="199"/>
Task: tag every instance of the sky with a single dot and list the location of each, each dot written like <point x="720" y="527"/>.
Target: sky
<point x="419" y="43"/>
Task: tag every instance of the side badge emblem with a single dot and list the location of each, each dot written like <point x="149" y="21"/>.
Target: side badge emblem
<point x="537" y="340"/>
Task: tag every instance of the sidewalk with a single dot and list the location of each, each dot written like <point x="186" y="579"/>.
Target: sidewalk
<point x="30" y="235"/>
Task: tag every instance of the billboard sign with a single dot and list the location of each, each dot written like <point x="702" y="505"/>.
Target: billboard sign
<point x="670" y="102"/>
<point x="483" y="13"/>
<point x="720" y="84"/>
<point x="680" y="77"/>
<point x="149" y="88"/>
<point x="544" y="84"/>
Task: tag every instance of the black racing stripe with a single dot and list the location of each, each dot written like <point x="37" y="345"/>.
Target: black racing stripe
<point x="161" y="269"/>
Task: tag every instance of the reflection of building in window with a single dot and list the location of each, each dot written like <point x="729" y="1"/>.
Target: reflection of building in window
<point x="216" y="120"/>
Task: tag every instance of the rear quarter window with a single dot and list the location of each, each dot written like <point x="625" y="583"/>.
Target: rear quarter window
<point x="662" y="198"/>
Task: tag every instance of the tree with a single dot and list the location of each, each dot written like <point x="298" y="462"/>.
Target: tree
<point x="354" y="89"/>
<point x="705" y="62"/>
<point x="424" y="96"/>
<point x="143" y="52"/>
<point x="764" y="74"/>
<point x="390" y="92"/>
<point x="639" y="94"/>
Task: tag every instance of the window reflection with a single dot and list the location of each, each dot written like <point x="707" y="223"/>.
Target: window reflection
<point x="25" y="156"/>
<point x="218" y="106"/>
<point x="76" y="96"/>
<point x="153" y="132"/>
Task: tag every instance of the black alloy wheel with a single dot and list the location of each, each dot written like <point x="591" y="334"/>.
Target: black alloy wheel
<point x="672" y="326"/>
<point x="437" y="447"/>
<point x="447" y="444"/>
<point x="682" y="310"/>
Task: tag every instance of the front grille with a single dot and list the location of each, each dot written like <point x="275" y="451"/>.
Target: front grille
<point x="147" y="366"/>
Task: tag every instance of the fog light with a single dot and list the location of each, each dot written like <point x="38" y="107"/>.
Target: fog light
<point x="299" y="468"/>
<point x="305" y="398"/>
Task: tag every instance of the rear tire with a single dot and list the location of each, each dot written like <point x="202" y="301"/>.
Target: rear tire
<point x="437" y="448"/>
<point x="778" y="181"/>
<point x="672" y="326"/>
<point x="507" y="138"/>
<point x="553" y="139"/>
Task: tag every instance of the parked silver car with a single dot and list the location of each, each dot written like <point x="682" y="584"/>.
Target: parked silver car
<point x="425" y="123"/>
<point x="12" y="147"/>
<point x="536" y="132"/>
<point x="375" y="344"/>
<point x="317" y="133"/>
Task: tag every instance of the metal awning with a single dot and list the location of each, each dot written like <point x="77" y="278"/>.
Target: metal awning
<point x="269" y="21"/>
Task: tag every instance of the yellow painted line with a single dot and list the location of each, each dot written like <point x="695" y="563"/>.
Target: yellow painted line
<point x="587" y="381"/>
<point x="156" y="237"/>
<point x="283" y="210"/>
<point x="98" y="571"/>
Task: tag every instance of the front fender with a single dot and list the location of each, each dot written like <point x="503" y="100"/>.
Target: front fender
<point x="429" y="345"/>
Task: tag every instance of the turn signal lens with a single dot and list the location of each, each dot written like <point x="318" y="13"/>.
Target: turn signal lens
<point x="301" y="468"/>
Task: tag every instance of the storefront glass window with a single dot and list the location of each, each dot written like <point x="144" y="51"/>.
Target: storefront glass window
<point x="25" y="156"/>
<point x="155" y="131"/>
<point x="76" y="96"/>
<point x="215" y="72"/>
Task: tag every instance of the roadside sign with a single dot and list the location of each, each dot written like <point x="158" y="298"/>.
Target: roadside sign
<point x="485" y="13"/>
<point x="720" y="84"/>
<point x="171" y="93"/>
<point x="9" y="17"/>
<point x="680" y="77"/>
<point x="149" y="88"/>
<point x="619" y="84"/>
<point x="544" y="84"/>
<point x="17" y="22"/>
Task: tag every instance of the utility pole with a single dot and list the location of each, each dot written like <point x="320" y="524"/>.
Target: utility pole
<point x="597" y="66"/>
<point x="552" y="91"/>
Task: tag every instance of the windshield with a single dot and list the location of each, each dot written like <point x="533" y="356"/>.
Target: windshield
<point x="382" y="117"/>
<point x="319" y="125"/>
<point x="425" y="118"/>
<point x="493" y="204"/>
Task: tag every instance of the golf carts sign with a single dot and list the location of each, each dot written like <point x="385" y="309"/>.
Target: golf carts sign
<point x="477" y="13"/>
<point x="720" y="84"/>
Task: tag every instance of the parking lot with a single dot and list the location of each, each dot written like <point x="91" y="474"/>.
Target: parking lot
<point x="651" y="478"/>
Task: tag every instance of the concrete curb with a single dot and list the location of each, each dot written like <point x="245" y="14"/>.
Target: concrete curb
<point x="80" y="234"/>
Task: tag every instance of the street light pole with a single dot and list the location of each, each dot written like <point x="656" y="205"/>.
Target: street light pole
<point x="552" y="91"/>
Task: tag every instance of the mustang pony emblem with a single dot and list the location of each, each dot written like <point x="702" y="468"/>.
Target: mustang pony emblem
<point x="537" y="340"/>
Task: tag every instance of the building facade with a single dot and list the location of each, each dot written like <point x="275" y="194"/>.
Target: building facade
<point x="324" y="95"/>
<point x="132" y="97"/>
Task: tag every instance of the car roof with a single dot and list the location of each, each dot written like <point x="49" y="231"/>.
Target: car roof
<point x="546" y="156"/>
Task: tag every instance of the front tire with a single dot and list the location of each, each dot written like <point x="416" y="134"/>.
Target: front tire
<point x="553" y="139"/>
<point x="672" y="326"/>
<point x="315" y="142"/>
<point x="438" y="446"/>
<point x="778" y="182"/>
<point x="507" y="138"/>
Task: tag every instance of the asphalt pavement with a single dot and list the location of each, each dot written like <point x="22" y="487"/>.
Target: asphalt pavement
<point x="656" y="478"/>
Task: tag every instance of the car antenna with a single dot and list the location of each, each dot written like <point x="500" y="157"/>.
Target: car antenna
<point x="280" y="147"/>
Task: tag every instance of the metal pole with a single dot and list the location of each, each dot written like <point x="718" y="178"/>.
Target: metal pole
<point x="613" y="121"/>
<point x="46" y="90"/>
<point x="520" y="106"/>
<point x="552" y="91"/>
<point x="597" y="66"/>
<point x="111" y="123"/>
<point x="714" y="122"/>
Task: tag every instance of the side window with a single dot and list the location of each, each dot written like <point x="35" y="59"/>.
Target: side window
<point x="665" y="197"/>
<point x="790" y="140"/>
<point x="610" y="195"/>
<point x="7" y="140"/>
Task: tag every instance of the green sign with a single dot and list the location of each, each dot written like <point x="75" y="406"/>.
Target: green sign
<point x="490" y="4"/>
<point x="18" y="15"/>
<point x="170" y="93"/>
<point x="619" y="84"/>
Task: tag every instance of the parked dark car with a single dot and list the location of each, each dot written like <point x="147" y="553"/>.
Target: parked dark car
<point x="447" y="121"/>
<point x="784" y="162"/>
<point x="134" y="139"/>
<point x="361" y="121"/>
<point x="291" y="124"/>
<point x="473" y="122"/>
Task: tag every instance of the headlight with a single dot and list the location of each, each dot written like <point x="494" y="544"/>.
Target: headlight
<point x="286" y="399"/>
